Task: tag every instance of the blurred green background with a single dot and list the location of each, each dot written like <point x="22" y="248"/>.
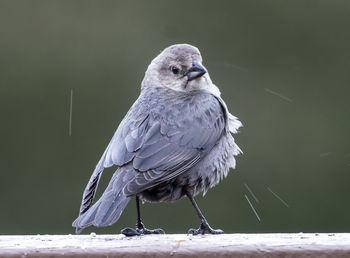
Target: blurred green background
<point x="282" y="67"/>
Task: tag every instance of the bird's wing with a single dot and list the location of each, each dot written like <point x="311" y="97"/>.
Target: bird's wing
<point x="162" y="139"/>
<point x="133" y="125"/>
<point x="173" y="139"/>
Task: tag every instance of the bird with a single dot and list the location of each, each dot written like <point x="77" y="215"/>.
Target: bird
<point x="175" y="141"/>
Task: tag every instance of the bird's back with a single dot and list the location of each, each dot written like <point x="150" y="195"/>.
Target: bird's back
<point x="199" y="121"/>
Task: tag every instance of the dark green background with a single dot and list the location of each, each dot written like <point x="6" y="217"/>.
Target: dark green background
<point x="297" y="144"/>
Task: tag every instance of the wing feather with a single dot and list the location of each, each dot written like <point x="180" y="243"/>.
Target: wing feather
<point x="176" y="142"/>
<point x="161" y="137"/>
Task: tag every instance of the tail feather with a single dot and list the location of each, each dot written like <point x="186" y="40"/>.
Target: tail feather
<point x="90" y="191"/>
<point x="110" y="206"/>
<point x="91" y="188"/>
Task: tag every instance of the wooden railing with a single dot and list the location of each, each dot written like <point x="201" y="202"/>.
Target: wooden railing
<point x="227" y="245"/>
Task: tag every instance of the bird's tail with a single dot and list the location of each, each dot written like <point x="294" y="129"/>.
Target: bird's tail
<point x="110" y="206"/>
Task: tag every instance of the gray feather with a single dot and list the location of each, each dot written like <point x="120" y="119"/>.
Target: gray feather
<point x="175" y="141"/>
<point x="110" y="206"/>
<point x="159" y="139"/>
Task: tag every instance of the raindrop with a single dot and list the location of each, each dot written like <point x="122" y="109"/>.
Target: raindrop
<point x="279" y="198"/>
<point x="251" y="192"/>
<point x="252" y="207"/>
<point x="70" y="112"/>
<point x="278" y="95"/>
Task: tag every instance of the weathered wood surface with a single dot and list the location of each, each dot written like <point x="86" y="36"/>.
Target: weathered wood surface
<point x="228" y="245"/>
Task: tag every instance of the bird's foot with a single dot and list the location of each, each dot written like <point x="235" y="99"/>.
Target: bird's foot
<point x="141" y="230"/>
<point x="203" y="228"/>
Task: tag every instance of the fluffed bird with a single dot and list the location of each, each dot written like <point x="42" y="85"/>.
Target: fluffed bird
<point x="175" y="141"/>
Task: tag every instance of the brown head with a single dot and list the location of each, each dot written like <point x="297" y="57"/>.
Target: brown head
<point x="179" y="67"/>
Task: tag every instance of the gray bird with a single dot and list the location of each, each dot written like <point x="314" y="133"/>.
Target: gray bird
<point x="174" y="141"/>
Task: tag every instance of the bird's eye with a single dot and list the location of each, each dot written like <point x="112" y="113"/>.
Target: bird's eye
<point x="175" y="70"/>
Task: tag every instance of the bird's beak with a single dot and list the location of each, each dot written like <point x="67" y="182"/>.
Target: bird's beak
<point x="197" y="70"/>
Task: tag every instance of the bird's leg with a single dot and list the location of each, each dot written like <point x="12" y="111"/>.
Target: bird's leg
<point x="140" y="228"/>
<point x="204" y="223"/>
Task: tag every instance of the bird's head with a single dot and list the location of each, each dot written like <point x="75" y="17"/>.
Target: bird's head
<point x="179" y="67"/>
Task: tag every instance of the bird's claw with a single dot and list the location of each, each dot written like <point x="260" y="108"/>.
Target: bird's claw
<point x="130" y="232"/>
<point x="146" y="231"/>
<point x="141" y="230"/>
<point x="203" y="228"/>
